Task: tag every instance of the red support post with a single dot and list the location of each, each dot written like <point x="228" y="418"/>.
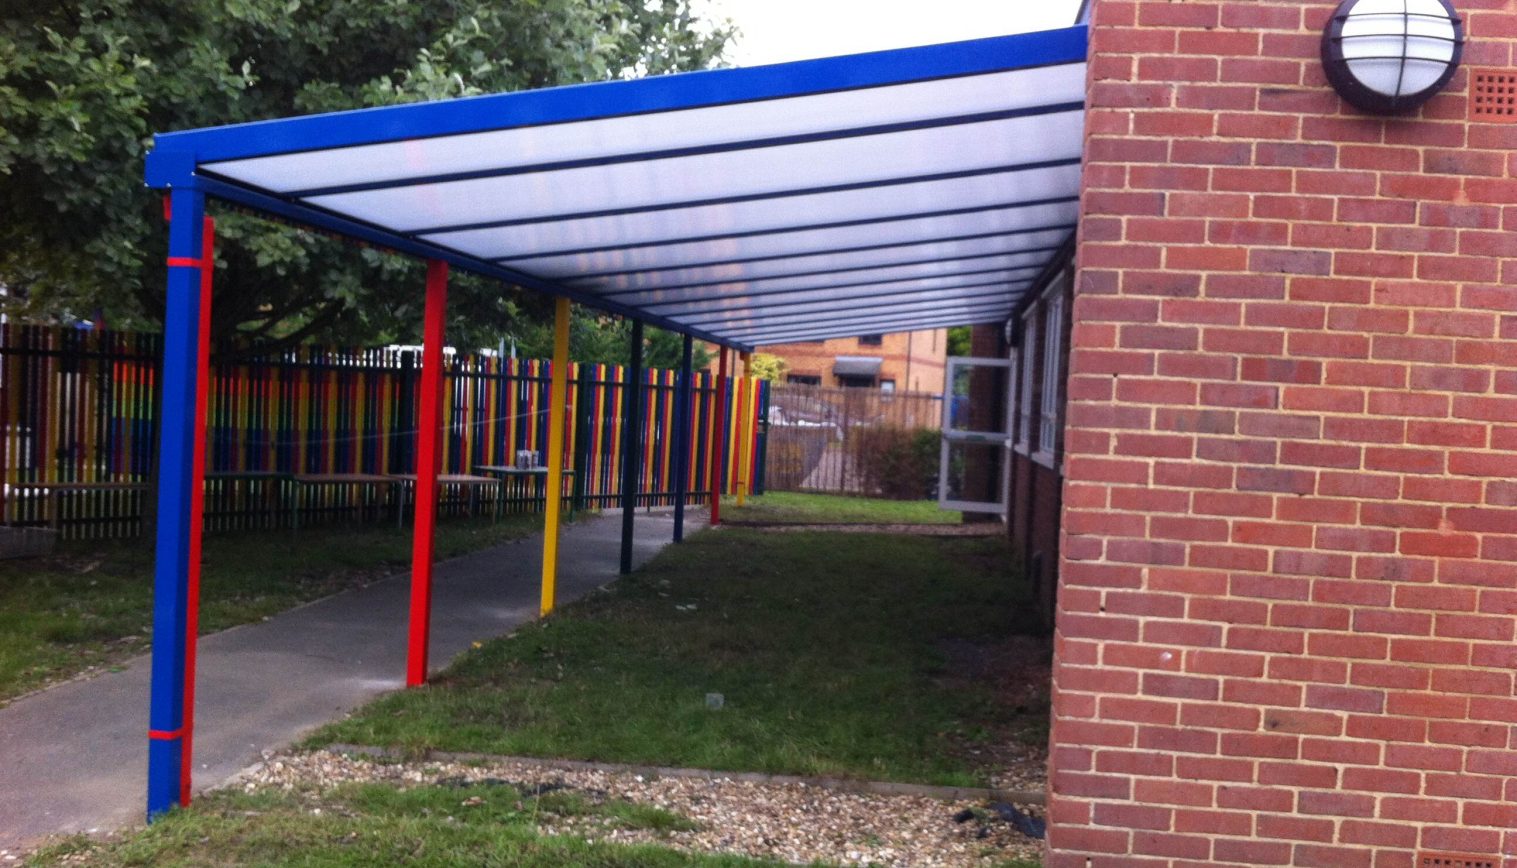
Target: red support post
<point x="197" y="503"/>
<point x="428" y="462"/>
<point x="719" y="439"/>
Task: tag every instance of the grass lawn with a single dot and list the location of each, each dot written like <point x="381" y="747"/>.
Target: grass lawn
<point x="378" y="824"/>
<point x="786" y="507"/>
<point x="867" y="655"/>
<point x="91" y="603"/>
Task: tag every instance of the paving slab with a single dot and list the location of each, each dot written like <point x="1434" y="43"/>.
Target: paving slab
<point x="75" y="755"/>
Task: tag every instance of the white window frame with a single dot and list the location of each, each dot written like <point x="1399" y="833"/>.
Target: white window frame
<point x="963" y="436"/>
<point x="1027" y="367"/>
<point x="1049" y="417"/>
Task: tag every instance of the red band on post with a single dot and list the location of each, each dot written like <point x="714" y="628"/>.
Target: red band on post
<point x="185" y="262"/>
<point x="161" y="735"/>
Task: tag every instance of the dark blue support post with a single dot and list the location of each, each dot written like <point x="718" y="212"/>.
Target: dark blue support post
<point x="177" y="481"/>
<point x="761" y="465"/>
<point x="632" y="452"/>
<point x="682" y="437"/>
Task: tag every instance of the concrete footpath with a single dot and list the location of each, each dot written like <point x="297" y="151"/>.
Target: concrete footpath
<point x="74" y="758"/>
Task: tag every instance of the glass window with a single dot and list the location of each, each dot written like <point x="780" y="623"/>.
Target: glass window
<point x="1053" y="340"/>
<point x="871" y="340"/>
<point x="887" y="385"/>
<point x="1028" y="367"/>
<point x="804" y="379"/>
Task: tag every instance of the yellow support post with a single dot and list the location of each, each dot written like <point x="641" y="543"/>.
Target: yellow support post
<point x="744" y="426"/>
<point x="558" y="397"/>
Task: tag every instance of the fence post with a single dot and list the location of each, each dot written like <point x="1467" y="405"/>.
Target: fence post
<point x="740" y="441"/>
<point x="403" y="426"/>
<point x="681" y="450"/>
<point x="631" y="451"/>
<point x="718" y="438"/>
<point x="761" y="448"/>
<point x="584" y="435"/>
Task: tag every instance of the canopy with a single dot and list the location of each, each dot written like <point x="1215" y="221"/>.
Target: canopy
<point x="890" y="191"/>
<point x="857" y="366"/>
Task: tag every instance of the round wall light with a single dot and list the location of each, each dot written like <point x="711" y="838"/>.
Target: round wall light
<point x="1389" y="56"/>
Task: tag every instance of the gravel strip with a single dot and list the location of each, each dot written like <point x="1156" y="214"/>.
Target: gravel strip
<point x="796" y="823"/>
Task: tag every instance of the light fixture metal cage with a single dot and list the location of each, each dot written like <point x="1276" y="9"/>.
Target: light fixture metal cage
<point x="1407" y="25"/>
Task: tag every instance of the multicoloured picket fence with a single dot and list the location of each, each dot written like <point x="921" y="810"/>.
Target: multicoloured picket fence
<point x="77" y="430"/>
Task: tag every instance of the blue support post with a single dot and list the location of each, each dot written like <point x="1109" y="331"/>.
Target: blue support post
<point x="632" y="450"/>
<point x="681" y="447"/>
<point x="177" y="481"/>
<point x="762" y="468"/>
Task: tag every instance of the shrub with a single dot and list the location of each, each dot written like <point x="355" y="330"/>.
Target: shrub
<point x="898" y="463"/>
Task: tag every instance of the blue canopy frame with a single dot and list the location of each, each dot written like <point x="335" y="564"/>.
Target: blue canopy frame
<point x="890" y="191"/>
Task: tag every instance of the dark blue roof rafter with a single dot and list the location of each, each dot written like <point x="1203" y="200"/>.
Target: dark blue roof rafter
<point x="883" y="190"/>
<point x="751" y="197"/>
<point x="873" y="327"/>
<point x="957" y="314"/>
<point x="648" y="276"/>
<point x="939" y="286"/>
<point x="905" y="300"/>
<point x="803" y="227"/>
<point x="927" y="264"/>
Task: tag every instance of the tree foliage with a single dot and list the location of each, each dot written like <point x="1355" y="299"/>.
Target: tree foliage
<point x="601" y="339"/>
<point x="959" y="342"/>
<point x="767" y="366"/>
<point x="84" y="84"/>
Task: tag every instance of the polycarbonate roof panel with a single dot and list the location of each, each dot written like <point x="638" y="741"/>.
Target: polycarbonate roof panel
<point x="878" y="192"/>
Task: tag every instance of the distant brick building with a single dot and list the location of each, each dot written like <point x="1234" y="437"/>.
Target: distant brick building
<point x="905" y="361"/>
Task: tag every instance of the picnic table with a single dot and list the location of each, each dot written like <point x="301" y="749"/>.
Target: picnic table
<point x="462" y="480"/>
<point x="527" y="483"/>
<point x="275" y="483"/>
<point x="369" y="483"/>
<point x="56" y="492"/>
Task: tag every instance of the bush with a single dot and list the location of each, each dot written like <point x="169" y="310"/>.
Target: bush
<point x="898" y="463"/>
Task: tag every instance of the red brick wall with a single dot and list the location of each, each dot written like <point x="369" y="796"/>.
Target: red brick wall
<point x="1289" y="596"/>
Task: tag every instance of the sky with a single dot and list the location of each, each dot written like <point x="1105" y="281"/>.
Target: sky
<point x="774" y="31"/>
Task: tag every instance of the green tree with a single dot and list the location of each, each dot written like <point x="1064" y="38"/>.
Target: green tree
<point x="767" y="366"/>
<point x="602" y="339"/>
<point x="84" y="84"/>
<point x="959" y="341"/>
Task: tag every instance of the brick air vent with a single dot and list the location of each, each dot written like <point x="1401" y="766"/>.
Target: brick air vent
<point x="1456" y="860"/>
<point x="1493" y="97"/>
